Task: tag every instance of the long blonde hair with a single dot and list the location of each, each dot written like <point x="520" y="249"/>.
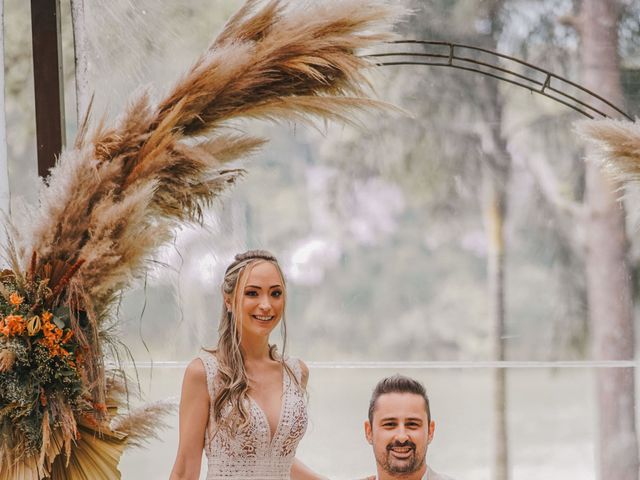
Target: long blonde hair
<point x="233" y="384"/>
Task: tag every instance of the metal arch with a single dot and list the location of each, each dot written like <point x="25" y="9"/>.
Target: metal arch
<point x="499" y="66"/>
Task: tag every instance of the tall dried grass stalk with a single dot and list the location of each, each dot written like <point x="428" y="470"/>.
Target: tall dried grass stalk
<point x="119" y="192"/>
<point x="141" y="424"/>
<point x="617" y="143"/>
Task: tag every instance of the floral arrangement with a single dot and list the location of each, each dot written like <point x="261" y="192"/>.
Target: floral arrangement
<point x="118" y="194"/>
<point x="42" y="380"/>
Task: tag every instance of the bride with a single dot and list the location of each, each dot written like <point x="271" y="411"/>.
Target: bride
<point x="243" y="403"/>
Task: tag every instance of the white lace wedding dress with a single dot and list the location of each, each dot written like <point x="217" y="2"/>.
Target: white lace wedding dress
<point x="254" y="453"/>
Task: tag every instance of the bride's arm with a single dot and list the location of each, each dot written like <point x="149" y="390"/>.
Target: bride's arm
<point x="194" y="414"/>
<point x="299" y="471"/>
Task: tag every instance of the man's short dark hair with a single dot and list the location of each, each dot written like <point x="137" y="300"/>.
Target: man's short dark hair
<point x="398" y="384"/>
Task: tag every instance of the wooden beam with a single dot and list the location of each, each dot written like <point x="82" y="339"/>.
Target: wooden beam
<point x="48" y="83"/>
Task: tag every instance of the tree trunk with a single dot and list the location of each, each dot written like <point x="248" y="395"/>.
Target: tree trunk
<point x="81" y="61"/>
<point x="5" y="204"/>
<point x="495" y="209"/>
<point x="497" y="173"/>
<point x="608" y="274"/>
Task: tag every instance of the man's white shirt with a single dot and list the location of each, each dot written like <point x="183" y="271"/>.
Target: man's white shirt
<point x="431" y="475"/>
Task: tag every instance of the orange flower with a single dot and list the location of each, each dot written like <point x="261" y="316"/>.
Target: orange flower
<point x="15" y="299"/>
<point x="14" y="325"/>
<point x="50" y="330"/>
<point x="53" y="340"/>
<point x="68" y="336"/>
<point x="47" y="316"/>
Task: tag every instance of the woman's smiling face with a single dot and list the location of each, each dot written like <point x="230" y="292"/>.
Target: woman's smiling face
<point x="261" y="299"/>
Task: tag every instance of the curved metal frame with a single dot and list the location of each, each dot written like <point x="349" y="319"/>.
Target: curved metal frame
<point x="550" y="85"/>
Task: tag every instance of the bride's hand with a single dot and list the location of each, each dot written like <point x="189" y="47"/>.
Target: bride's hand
<point x="299" y="471"/>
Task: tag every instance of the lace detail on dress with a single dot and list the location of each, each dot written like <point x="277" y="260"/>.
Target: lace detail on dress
<point x="211" y="368"/>
<point x="296" y="367"/>
<point x="249" y="453"/>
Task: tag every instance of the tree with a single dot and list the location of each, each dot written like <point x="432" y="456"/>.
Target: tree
<point x="608" y="272"/>
<point x="4" y="170"/>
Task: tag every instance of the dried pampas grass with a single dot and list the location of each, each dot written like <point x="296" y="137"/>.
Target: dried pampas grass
<point x="617" y="145"/>
<point x="142" y="424"/>
<point x="117" y="195"/>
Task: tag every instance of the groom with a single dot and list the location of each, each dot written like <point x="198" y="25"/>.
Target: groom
<point x="400" y="429"/>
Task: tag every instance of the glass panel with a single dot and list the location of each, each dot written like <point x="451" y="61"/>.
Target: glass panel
<point x="551" y="423"/>
<point x="382" y="230"/>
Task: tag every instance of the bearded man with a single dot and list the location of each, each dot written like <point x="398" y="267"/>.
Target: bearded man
<point x="400" y="430"/>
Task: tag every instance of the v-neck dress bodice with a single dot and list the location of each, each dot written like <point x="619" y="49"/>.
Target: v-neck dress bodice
<point x="255" y="452"/>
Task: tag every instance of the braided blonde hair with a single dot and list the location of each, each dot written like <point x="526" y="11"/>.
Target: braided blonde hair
<point x="233" y="384"/>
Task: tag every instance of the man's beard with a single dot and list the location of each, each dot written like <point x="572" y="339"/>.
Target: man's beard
<point x="397" y="466"/>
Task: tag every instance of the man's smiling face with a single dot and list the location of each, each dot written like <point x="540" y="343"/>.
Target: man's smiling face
<point x="400" y="433"/>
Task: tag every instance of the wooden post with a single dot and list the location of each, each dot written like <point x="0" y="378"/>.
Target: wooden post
<point x="48" y="84"/>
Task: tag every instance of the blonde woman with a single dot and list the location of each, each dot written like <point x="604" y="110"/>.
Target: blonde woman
<point x="243" y="403"/>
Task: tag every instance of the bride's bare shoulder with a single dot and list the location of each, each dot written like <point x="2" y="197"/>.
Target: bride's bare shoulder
<point x="196" y="371"/>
